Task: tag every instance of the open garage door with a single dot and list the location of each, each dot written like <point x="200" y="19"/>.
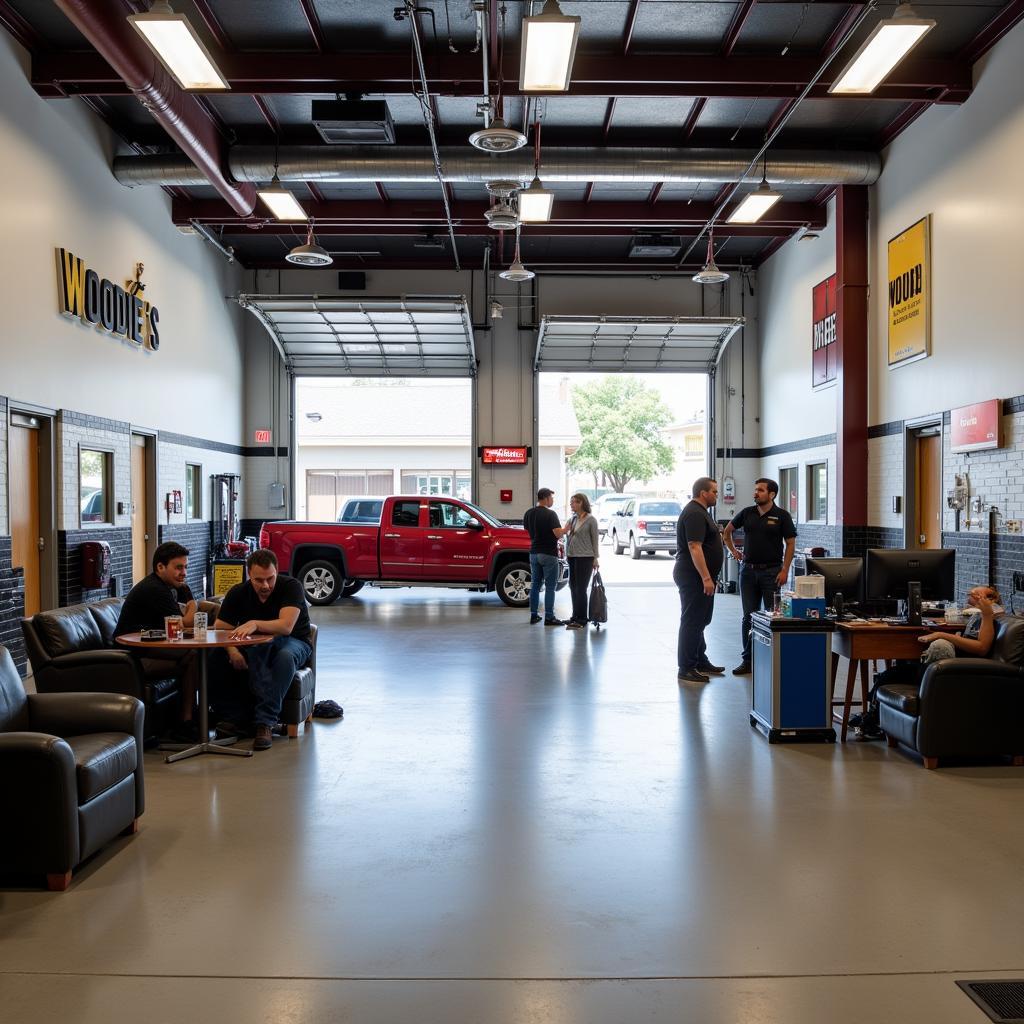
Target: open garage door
<point x="411" y="336"/>
<point x="654" y="344"/>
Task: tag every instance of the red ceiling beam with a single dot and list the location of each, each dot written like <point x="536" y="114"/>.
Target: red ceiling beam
<point x="18" y="27"/>
<point x="589" y="192"/>
<point x="315" y="192"/>
<point x="655" y="193"/>
<point x="268" y="115"/>
<point x="739" y="19"/>
<point x="851" y="14"/>
<point x="993" y="32"/>
<point x="903" y="120"/>
<point x="384" y="197"/>
<point x="315" y="28"/>
<point x="213" y="24"/>
<point x="627" y="39"/>
<point x="458" y="75"/>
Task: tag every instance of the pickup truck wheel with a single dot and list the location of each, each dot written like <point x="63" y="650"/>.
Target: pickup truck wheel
<point x="513" y="584"/>
<point x="352" y="587"/>
<point x="634" y="551"/>
<point x="616" y="546"/>
<point x="322" y="582"/>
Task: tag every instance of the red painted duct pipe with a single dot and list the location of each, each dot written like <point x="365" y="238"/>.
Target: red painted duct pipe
<point x="105" y="24"/>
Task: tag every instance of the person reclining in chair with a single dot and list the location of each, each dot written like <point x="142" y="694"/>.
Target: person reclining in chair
<point x="975" y="642"/>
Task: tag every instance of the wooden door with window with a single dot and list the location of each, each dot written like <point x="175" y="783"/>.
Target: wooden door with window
<point x="26" y="535"/>
<point x="928" y="527"/>
<point x="140" y="509"/>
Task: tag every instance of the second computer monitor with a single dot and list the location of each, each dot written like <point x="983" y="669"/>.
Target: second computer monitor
<point x="889" y="570"/>
<point x="842" y="576"/>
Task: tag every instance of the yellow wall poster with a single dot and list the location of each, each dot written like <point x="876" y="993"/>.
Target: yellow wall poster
<point x="909" y="293"/>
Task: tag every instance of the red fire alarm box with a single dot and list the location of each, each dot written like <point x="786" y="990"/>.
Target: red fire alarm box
<point x="95" y="565"/>
<point x="506" y="496"/>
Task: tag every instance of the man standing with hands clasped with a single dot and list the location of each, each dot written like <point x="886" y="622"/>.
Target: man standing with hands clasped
<point x="769" y="539"/>
<point x="699" y="556"/>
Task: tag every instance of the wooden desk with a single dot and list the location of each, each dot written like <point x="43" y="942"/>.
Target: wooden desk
<point x="864" y="642"/>
<point x="215" y="638"/>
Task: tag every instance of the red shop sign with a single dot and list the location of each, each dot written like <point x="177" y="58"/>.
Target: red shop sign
<point x="823" y="333"/>
<point x="502" y="455"/>
<point x="973" y="428"/>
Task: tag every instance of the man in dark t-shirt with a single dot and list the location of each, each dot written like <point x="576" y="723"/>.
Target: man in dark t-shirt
<point x="699" y="557"/>
<point x="268" y="602"/>
<point x="769" y="540"/>
<point x="541" y="523"/>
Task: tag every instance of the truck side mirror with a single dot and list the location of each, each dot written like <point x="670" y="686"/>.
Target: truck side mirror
<point x="474" y="524"/>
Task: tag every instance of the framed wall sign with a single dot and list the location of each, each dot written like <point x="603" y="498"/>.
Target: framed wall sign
<point x="504" y="455"/>
<point x="973" y="428"/>
<point x="823" y="333"/>
<point x="909" y="294"/>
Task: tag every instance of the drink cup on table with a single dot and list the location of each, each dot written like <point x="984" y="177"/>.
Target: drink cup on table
<point x="174" y="627"/>
<point x="199" y="626"/>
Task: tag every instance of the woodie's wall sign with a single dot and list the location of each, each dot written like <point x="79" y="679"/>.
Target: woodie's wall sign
<point x="108" y="306"/>
<point x="909" y="293"/>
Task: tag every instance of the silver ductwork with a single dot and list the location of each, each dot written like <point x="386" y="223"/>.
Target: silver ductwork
<point x="414" y="165"/>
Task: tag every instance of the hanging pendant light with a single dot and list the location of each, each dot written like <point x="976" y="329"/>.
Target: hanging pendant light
<point x="710" y="274"/>
<point x="310" y="254"/>
<point x="517" y="272"/>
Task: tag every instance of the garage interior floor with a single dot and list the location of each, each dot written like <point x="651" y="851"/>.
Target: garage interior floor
<point x="520" y="824"/>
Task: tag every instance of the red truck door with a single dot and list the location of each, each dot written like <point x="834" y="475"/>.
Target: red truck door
<point x="452" y="550"/>
<point x="401" y="540"/>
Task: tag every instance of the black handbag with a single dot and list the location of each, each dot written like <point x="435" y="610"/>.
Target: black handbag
<point x="598" y="607"/>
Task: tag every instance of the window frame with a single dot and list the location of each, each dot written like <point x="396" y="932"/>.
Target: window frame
<point x="197" y="492"/>
<point x="107" y="489"/>
<point x="782" y="471"/>
<point x="809" y="474"/>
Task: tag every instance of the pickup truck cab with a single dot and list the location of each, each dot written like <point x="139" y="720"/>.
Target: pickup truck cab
<point x="644" y="525"/>
<point x="405" y="541"/>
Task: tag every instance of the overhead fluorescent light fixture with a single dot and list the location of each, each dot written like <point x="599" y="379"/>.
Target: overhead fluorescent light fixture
<point x="754" y="206"/>
<point x="548" y="47"/>
<point x="174" y="41"/>
<point x="535" y="203"/>
<point x="892" y="39"/>
<point x="281" y="203"/>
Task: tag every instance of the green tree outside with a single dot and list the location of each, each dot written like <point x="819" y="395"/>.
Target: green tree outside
<point x="620" y="422"/>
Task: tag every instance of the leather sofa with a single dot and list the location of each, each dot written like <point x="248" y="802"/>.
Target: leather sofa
<point x="297" y="706"/>
<point x="72" y="650"/>
<point x="72" y="770"/>
<point x="963" y="707"/>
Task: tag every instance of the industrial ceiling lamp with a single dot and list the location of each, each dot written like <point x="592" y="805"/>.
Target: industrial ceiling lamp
<point x="755" y="205"/>
<point x="536" y="201"/>
<point x="548" y="47"/>
<point x="710" y="274"/>
<point x="310" y="254"/>
<point x="281" y="203"/>
<point x="498" y="137"/>
<point x="517" y="272"/>
<point x="502" y="217"/>
<point x="174" y="41"/>
<point x="892" y="39"/>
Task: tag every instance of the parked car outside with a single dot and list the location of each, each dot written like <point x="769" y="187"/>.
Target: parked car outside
<point x="93" y="507"/>
<point x="606" y="506"/>
<point x="645" y="526"/>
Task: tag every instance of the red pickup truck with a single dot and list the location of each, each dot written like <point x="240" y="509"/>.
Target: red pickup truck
<point x="405" y="541"/>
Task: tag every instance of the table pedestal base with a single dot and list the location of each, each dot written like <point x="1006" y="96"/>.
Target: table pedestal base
<point x="215" y="747"/>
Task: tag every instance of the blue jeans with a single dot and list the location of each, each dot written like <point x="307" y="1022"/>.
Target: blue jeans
<point x="543" y="569"/>
<point x="271" y="668"/>
<point x="757" y="587"/>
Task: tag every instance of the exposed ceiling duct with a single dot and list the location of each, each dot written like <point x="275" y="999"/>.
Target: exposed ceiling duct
<point x="404" y="164"/>
<point x="105" y="25"/>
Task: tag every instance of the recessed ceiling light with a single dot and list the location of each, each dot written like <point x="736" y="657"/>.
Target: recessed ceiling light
<point x="892" y="39"/>
<point x="548" y="47"/>
<point x="174" y="41"/>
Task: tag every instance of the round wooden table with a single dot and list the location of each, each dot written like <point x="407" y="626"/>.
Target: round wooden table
<point x="214" y="638"/>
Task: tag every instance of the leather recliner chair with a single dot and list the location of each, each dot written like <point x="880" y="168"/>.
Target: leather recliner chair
<point x="72" y="650"/>
<point x="71" y="765"/>
<point x="963" y="707"/>
<point x="297" y="706"/>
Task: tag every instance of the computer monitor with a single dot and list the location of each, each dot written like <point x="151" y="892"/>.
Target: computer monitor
<point x="842" y="576"/>
<point x="889" y="570"/>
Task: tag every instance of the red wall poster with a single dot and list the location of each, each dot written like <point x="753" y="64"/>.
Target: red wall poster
<point x="823" y="333"/>
<point x="973" y="428"/>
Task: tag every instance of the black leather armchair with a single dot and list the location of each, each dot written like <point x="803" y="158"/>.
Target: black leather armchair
<point x="72" y="650"/>
<point x="71" y="765"/>
<point x="963" y="707"/>
<point x="297" y="706"/>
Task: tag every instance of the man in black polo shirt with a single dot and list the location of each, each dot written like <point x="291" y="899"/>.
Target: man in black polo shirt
<point x="540" y="523"/>
<point x="268" y="602"/>
<point x="769" y="539"/>
<point x="699" y="556"/>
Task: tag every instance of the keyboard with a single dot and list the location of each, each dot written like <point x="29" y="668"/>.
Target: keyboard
<point x="895" y="620"/>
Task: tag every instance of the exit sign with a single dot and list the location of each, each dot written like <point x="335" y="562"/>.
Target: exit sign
<point x="262" y="437"/>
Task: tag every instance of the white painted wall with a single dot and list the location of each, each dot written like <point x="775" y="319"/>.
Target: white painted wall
<point x="963" y="165"/>
<point x="59" y="191"/>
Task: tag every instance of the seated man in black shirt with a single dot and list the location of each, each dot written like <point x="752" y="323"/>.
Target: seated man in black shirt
<point x="268" y="602"/>
<point x="163" y="593"/>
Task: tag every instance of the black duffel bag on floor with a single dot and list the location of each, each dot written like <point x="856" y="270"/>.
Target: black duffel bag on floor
<point x="598" y="608"/>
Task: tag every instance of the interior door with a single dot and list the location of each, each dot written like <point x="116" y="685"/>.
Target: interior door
<point x="401" y="541"/>
<point x="929" y="491"/>
<point x="23" y="455"/>
<point x="451" y="550"/>
<point x="140" y="509"/>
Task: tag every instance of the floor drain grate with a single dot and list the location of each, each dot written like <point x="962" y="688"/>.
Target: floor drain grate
<point x="1003" y="1001"/>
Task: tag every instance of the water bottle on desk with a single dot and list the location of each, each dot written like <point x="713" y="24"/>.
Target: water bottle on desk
<point x="199" y="626"/>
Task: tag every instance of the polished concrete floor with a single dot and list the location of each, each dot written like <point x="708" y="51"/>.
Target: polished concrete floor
<point x="521" y="824"/>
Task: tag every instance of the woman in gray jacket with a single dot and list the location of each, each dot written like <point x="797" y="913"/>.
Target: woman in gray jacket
<point x="582" y="552"/>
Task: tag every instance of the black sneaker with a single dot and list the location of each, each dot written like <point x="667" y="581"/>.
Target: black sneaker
<point x="856" y="720"/>
<point x="742" y="669"/>
<point x="574" y="625"/>
<point x="868" y="733"/>
<point x="693" y="676"/>
<point x="554" y="622"/>
<point x="534" y="619"/>
<point x="710" y="670"/>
